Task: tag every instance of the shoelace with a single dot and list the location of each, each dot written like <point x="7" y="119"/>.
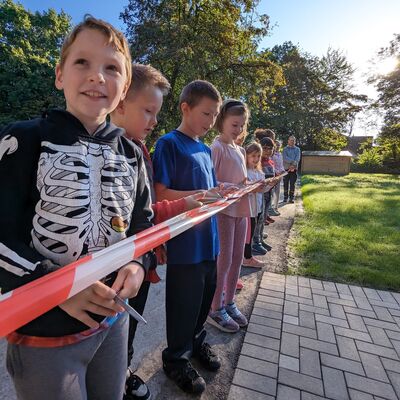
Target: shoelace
<point x="225" y="316"/>
<point x="234" y="310"/>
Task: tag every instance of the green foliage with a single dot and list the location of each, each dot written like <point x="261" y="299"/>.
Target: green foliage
<point x="371" y="158"/>
<point x="29" y="49"/>
<point x="316" y="101"/>
<point x="203" y="39"/>
<point x="329" y="139"/>
<point x="351" y="229"/>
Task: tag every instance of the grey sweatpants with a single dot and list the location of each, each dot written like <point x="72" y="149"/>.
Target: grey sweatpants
<point x="93" y="369"/>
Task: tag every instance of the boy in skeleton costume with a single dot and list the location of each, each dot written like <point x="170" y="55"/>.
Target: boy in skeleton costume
<point x="72" y="184"/>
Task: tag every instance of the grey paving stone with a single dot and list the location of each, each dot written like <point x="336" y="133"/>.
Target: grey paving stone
<point x="378" y="350"/>
<point x="259" y="352"/>
<point x="346" y="297"/>
<point x="275" y="288"/>
<point x="326" y="332"/>
<point x="395" y="380"/>
<point x="259" y="383"/>
<point x="300" y="300"/>
<point x="329" y="286"/>
<point x="383" y="314"/>
<point x="271" y="293"/>
<point x="309" y="396"/>
<point x="305" y="292"/>
<point x="334" y="384"/>
<point x="359" y="311"/>
<point x="315" y="284"/>
<point x="391" y="365"/>
<point x="290" y="319"/>
<point x="270" y="300"/>
<point x="382" y="324"/>
<point x="302" y="281"/>
<point x="356" y="322"/>
<point x="356" y="395"/>
<point x="291" y="280"/>
<point x="273" y="323"/>
<point x="320" y="301"/>
<point x="267" y="313"/>
<point x="342" y="288"/>
<point x="392" y="334"/>
<point x="343" y="364"/>
<point x="307" y="319"/>
<point x="332" y="321"/>
<point x="357" y="291"/>
<point x="347" y="348"/>
<point x="342" y="302"/>
<point x="264" y="330"/>
<point x="290" y="344"/>
<point x="362" y="302"/>
<point x="299" y="330"/>
<point x="291" y="308"/>
<point x="240" y="393"/>
<point x="292" y="291"/>
<point x="268" y="306"/>
<point x="262" y="341"/>
<point x="288" y="362"/>
<point x="309" y="362"/>
<point x="396" y="345"/>
<point x="372" y="294"/>
<point x="386" y="304"/>
<point x="394" y="312"/>
<point x="315" y="310"/>
<point x="386" y="296"/>
<point x="300" y="381"/>
<point x="287" y="393"/>
<point x="325" y="293"/>
<point x="336" y="311"/>
<point x="378" y="336"/>
<point x="370" y="386"/>
<point x="397" y="297"/>
<point x="353" y="334"/>
<point x="373" y="367"/>
<point x="259" y="366"/>
<point x="318" y="345"/>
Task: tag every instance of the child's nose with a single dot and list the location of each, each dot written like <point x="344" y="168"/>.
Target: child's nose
<point x="97" y="77"/>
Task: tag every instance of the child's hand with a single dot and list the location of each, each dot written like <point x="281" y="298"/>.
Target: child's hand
<point x="97" y="298"/>
<point x="129" y="280"/>
<point x="194" y="200"/>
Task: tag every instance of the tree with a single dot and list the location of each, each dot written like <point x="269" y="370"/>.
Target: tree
<point x="388" y="102"/>
<point x="317" y="100"/>
<point x="29" y="49"/>
<point x="203" y="39"/>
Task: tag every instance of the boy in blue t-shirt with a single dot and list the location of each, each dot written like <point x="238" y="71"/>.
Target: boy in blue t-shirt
<point x="183" y="166"/>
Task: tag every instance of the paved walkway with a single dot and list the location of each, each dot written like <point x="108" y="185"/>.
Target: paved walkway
<point x="312" y="340"/>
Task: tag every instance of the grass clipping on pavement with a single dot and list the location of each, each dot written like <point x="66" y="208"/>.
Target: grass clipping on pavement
<point x="350" y="231"/>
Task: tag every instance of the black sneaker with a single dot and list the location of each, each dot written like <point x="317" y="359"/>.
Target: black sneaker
<point x="285" y="199"/>
<point x="135" y="388"/>
<point x="208" y="359"/>
<point x="266" y="245"/>
<point x="291" y="200"/>
<point x="186" y="377"/>
<point x="258" y="250"/>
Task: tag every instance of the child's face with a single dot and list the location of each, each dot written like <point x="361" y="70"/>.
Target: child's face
<point x="93" y="78"/>
<point x="253" y="159"/>
<point x="139" y="113"/>
<point x="232" y="126"/>
<point x="200" y="118"/>
<point x="267" y="151"/>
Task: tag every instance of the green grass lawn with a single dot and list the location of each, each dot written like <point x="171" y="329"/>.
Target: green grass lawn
<point x="350" y="231"/>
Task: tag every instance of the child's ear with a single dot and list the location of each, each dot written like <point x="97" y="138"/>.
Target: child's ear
<point x="59" y="78"/>
<point x="120" y="107"/>
<point x="185" y="108"/>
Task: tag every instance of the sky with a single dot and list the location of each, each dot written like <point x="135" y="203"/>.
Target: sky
<point x="359" y="28"/>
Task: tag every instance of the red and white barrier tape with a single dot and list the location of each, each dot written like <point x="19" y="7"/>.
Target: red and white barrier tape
<point x="22" y="305"/>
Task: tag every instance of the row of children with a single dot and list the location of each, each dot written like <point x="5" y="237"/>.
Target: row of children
<point x="74" y="183"/>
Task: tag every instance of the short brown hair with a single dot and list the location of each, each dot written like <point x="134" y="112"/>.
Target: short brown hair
<point x="232" y="107"/>
<point x="261" y="133"/>
<point x="146" y="75"/>
<point x="113" y="35"/>
<point x="193" y="92"/>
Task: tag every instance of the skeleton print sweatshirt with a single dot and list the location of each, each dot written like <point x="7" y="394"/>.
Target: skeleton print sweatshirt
<point x="65" y="193"/>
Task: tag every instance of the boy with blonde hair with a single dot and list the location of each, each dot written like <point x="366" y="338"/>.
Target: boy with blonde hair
<point x="77" y="186"/>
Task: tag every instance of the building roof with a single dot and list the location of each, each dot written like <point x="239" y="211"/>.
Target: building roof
<point x="327" y="153"/>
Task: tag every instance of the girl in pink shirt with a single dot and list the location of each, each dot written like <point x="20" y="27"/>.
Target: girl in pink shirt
<point x="229" y="161"/>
